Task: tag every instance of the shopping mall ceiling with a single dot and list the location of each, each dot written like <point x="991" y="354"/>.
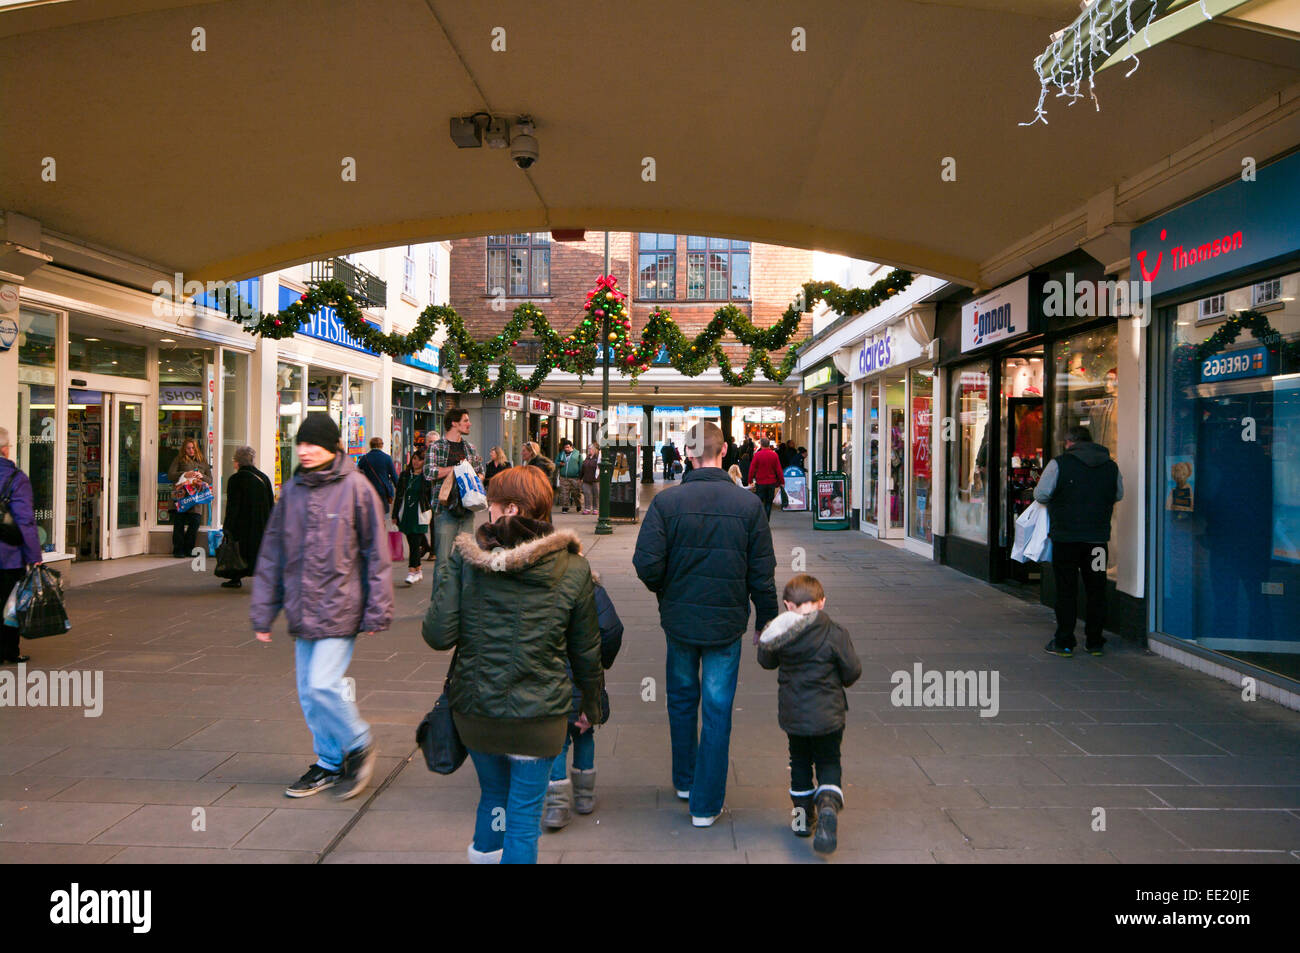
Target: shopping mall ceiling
<point x="231" y="160"/>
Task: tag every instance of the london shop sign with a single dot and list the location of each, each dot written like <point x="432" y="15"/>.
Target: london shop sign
<point x="999" y="315"/>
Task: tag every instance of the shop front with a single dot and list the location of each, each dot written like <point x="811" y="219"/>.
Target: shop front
<point x="892" y="376"/>
<point x="107" y="395"/>
<point x="417" y="402"/>
<point x="1225" y="424"/>
<point x="1017" y="379"/>
<point x="828" y="398"/>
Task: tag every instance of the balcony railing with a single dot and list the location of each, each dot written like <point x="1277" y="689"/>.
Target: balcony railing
<point x="369" y="290"/>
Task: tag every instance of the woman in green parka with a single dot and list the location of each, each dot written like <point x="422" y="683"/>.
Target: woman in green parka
<point x="516" y="600"/>
<point x="412" y="499"/>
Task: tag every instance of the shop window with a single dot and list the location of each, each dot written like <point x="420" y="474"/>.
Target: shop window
<point x="291" y="397"/>
<point x="37" y="422"/>
<point x="91" y="354"/>
<point x="871" y="476"/>
<point x="182" y="416"/>
<point x="357" y="433"/>
<point x="920" y="502"/>
<point x="1228" y="477"/>
<point x="969" y="462"/>
<point x="234" y="409"/>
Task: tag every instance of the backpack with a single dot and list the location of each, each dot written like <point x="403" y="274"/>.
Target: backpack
<point x="10" y="532"/>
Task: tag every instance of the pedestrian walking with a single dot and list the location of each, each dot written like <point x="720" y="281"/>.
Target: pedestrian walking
<point x="450" y="520"/>
<point x="517" y="603"/>
<point x="249" y="501"/>
<point x="573" y="791"/>
<point x="746" y="458"/>
<point x="412" y="506"/>
<point x="705" y="550"/>
<point x="187" y="465"/>
<point x="816" y="662"/>
<point x="731" y="455"/>
<point x="591" y="480"/>
<point x="324" y="561"/>
<point x="497" y="461"/>
<point x="18" y="555"/>
<point x="733" y="471"/>
<point x="427" y="446"/>
<point x="569" y="467"/>
<point x="378" y="468"/>
<point x="670" y="456"/>
<point x="533" y="457"/>
<point x="765" y="473"/>
<point x="1080" y="488"/>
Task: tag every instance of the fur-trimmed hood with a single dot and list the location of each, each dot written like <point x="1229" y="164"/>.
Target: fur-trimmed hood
<point x="785" y="628"/>
<point x="517" y="558"/>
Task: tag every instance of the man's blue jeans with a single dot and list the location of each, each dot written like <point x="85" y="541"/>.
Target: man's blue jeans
<point x="336" y="725"/>
<point x="445" y="530"/>
<point x="584" y="753"/>
<point x="509" y="819"/>
<point x="698" y="673"/>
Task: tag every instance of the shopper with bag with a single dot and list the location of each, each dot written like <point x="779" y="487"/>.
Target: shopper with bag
<point x="20" y="546"/>
<point x="412" y="511"/>
<point x="570" y="479"/>
<point x="450" y="518"/>
<point x="516" y="601"/>
<point x="190" y="475"/>
<point x="249" y="500"/>
<point x="323" y="562"/>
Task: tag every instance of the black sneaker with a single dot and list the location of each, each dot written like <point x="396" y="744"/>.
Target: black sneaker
<point x="358" y="766"/>
<point x="316" y="779"/>
<point x="1054" y="649"/>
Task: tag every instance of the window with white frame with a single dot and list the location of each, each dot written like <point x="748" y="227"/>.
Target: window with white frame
<point x="433" y="274"/>
<point x="408" y="272"/>
<point x="1266" y="292"/>
<point x="1211" y="308"/>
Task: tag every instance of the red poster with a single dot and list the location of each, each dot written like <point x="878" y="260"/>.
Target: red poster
<point x="921" y="437"/>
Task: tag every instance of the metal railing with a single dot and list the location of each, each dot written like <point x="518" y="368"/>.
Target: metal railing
<point x="369" y="290"/>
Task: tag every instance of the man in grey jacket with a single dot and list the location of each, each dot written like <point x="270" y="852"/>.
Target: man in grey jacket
<point x="1079" y="488"/>
<point x="324" y="561"/>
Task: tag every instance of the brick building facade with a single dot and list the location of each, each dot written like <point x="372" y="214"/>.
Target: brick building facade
<point x="760" y="279"/>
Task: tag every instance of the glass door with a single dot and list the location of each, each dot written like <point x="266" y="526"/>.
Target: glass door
<point x="871" y="454"/>
<point x="84" y="531"/>
<point x="894" y="458"/>
<point x="126" y="525"/>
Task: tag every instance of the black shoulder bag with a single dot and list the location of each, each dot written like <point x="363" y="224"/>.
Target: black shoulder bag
<point x="10" y="531"/>
<point x="437" y="737"/>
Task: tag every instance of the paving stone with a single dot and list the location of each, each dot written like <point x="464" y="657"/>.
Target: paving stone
<point x="209" y="855"/>
<point x="1210" y="829"/>
<point x="296" y="831"/>
<point x="978" y="769"/>
<point x="1116" y="769"/>
<point x="156" y="825"/>
<point x="56" y="853"/>
<point x="146" y="763"/>
<point x="53" y="822"/>
<point x="131" y="791"/>
<point x="1022" y="828"/>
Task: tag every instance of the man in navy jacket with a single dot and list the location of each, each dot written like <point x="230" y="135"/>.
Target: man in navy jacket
<point x="377" y="467"/>
<point x="705" y="550"/>
<point x="15" y="560"/>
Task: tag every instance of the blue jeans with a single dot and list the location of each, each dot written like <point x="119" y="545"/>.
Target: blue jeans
<point x="445" y="530"/>
<point x="700" y="761"/>
<point x="509" y="815"/>
<point x="584" y="753"/>
<point x="336" y="725"/>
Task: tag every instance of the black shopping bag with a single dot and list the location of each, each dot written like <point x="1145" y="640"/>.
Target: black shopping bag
<point x="40" y="604"/>
<point x="437" y="737"/>
<point x="230" y="564"/>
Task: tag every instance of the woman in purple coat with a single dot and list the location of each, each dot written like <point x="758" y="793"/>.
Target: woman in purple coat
<point x="15" y="558"/>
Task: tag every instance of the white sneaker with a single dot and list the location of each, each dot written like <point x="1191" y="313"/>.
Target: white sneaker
<point x="704" y="821"/>
<point x="413" y="577"/>
<point x="684" y="795"/>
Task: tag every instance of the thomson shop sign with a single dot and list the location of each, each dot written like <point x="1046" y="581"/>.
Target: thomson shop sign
<point x="998" y="316"/>
<point x="325" y="324"/>
<point x="1240" y="226"/>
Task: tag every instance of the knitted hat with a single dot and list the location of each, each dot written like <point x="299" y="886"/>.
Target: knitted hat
<point x="321" y="430"/>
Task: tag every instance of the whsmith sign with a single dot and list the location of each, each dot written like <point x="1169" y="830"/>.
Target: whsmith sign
<point x="1236" y="227"/>
<point x="325" y="325"/>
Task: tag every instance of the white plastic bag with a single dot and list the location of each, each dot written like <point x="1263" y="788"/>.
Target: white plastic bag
<point x="1032" y="542"/>
<point x="472" y="495"/>
<point x="11" y="608"/>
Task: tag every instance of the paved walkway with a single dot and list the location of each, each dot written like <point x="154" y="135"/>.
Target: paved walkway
<point x="201" y="731"/>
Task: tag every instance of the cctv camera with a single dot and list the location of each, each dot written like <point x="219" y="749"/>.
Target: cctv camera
<point x="523" y="149"/>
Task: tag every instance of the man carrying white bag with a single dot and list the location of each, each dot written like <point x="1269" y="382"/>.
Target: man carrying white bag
<point x="452" y="463"/>
<point x="1032" y="542"/>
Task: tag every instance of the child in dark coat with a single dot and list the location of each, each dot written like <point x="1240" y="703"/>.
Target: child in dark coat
<point x="577" y="792"/>
<point x="817" y="662"/>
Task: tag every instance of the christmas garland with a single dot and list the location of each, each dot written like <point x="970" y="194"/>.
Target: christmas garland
<point x="579" y="351"/>
<point x="1187" y="358"/>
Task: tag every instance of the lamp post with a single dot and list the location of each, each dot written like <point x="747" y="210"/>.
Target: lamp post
<point x="603" y="525"/>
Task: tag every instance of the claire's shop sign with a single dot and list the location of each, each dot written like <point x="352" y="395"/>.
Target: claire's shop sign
<point x="325" y="325"/>
<point x="997" y="316"/>
<point x="1235" y="227"/>
<point x="874" y="356"/>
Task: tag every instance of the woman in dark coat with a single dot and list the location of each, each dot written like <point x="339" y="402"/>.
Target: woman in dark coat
<point x="249" y="499"/>
<point x="412" y="499"/>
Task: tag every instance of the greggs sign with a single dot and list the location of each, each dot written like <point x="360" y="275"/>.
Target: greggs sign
<point x="1246" y="223"/>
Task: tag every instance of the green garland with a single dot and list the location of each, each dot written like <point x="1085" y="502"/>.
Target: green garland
<point x="577" y="352"/>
